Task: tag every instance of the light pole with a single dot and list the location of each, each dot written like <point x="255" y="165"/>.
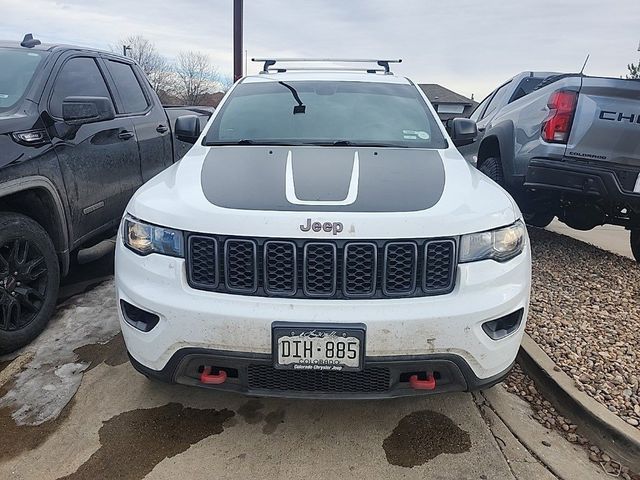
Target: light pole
<point x="237" y="40"/>
<point x="124" y="49"/>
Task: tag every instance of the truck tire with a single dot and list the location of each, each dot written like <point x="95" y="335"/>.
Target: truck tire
<point x="29" y="280"/>
<point x="492" y="168"/>
<point x="538" y="219"/>
<point x="635" y="243"/>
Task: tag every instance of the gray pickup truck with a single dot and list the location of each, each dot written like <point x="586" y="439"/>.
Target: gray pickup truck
<point x="564" y="145"/>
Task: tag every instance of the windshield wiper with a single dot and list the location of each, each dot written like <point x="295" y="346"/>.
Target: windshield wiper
<point x="243" y="141"/>
<point x="349" y="143"/>
<point x="246" y="141"/>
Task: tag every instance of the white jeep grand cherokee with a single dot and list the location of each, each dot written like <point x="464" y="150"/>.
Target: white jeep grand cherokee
<point x="324" y="238"/>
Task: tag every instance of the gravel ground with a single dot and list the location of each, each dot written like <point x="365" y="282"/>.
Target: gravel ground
<point x="520" y="384"/>
<point x="585" y="314"/>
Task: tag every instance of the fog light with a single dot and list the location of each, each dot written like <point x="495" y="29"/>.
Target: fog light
<point x="503" y="326"/>
<point x="138" y="318"/>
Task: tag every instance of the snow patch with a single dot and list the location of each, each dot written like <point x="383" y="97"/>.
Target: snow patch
<point x="50" y="380"/>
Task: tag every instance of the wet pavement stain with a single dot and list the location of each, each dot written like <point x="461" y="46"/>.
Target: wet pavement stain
<point x="250" y="411"/>
<point x="5" y="364"/>
<point x="422" y="436"/>
<point x="112" y="353"/>
<point x="134" y="442"/>
<point x="17" y="439"/>
<point x="272" y="420"/>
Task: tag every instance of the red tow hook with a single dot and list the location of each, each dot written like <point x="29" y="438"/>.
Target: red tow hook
<point x="206" y="377"/>
<point x="428" y="384"/>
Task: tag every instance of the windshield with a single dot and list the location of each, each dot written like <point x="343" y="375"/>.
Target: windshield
<point x="17" y="67"/>
<point x="326" y="113"/>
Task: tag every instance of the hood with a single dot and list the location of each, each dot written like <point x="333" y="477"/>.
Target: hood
<point x="323" y="179"/>
<point x="374" y="192"/>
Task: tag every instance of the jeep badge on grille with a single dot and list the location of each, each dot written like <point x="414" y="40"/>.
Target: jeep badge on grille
<point x="334" y="227"/>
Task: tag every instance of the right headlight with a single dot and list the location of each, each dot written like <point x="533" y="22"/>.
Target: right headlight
<point x="501" y="244"/>
<point x="144" y="238"/>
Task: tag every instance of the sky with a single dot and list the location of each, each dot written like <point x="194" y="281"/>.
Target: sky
<point x="469" y="46"/>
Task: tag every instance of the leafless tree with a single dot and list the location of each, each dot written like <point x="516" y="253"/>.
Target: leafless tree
<point x="154" y="65"/>
<point x="225" y="82"/>
<point x="197" y="77"/>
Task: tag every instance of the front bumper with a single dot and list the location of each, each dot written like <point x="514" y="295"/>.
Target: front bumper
<point x="409" y="332"/>
<point x="594" y="180"/>
<point x="383" y="377"/>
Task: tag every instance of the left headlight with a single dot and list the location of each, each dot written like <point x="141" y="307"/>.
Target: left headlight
<point x="501" y="245"/>
<point x="144" y="238"/>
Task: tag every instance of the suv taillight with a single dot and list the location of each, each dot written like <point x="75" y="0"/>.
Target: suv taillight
<point x="562" y="106"/>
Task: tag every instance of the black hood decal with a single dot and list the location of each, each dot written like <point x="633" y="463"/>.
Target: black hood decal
<point x="323" y="178"/>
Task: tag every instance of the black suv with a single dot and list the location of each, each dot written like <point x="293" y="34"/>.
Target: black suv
<point x="80" y="131"/>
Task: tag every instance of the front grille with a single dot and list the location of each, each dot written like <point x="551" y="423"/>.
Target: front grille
<point x="203" y="252"/>
<point x="440" y="258"/>
<point x="240" y="265"/>
<point x="280" y="267"/>
<point x="321" y="268"/>
<point x="360" y="269"/>
<point x="265" y="377"/>
<point x="400" y="272"/>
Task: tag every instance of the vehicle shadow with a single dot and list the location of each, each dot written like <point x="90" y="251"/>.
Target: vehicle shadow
<point x="85" y="277"/>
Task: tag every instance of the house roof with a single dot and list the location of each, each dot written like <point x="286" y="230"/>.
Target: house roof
<point x="438" y="94"/>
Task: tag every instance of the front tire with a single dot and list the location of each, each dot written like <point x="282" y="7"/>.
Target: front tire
<point x="492" y="168"/>
<point x="635" y="243"/>
<point x="29" y="280"/>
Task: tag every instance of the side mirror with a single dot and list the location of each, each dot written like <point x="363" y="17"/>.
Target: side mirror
<point x="463" y="131"/>
<point x="187" y="128"/>
<point x="82" y="110"/>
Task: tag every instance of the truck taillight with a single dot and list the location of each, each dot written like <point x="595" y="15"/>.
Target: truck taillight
<point x="562" y="106"/>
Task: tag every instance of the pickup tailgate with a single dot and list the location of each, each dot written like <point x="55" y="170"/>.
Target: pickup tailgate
<point x="606" y="124"/>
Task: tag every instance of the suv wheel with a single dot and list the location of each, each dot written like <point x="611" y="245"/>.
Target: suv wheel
<point x="635" y="243"/>
<point x="492" y="168"/>
<point x="29" y="280"/>
<point x="539" y="219"/>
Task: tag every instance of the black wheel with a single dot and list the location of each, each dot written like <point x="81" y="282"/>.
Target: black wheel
<point x="492" y="168"/>
<point x="29" y="280"/>
<point x="635" y="244"/>
<point x="539" y="219"/>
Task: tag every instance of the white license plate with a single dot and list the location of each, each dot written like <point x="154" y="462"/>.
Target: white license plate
<point x="318" y="348"/>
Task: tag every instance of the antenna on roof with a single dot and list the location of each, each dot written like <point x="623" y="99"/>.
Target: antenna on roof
<point x="584" y="64"/>
<point x="29" y="42"/>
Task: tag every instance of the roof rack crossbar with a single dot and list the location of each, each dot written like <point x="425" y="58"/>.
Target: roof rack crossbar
<point x="332" y="69"/>
<point x="270" y="62"/>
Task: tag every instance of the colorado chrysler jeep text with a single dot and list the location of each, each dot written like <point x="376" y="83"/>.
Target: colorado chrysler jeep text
<point x="324" y="238"/>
